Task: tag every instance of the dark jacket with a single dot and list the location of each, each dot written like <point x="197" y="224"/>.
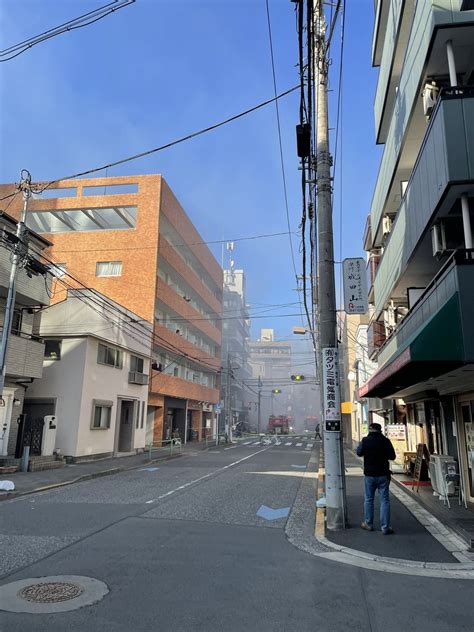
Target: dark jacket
<point x="377" y="451"/>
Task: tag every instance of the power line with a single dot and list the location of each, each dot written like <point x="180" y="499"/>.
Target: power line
<point x="282" y="162"/>
<point x="167" y="145"/>
<point x="77" y="23"/>
<point x="196" y="243"/>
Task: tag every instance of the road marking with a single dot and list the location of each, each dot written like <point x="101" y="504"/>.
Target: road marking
<point x="149" y="469"/>
<point x="247" y="443"/>
<point x="309" y="445"/>
<point x="201" y="478"/>
<point x="268" y="513"/>
<point x="298" y="445"/>
<point x="256" y="443"/>
<point x="300" y="467"/>
<point x="289" y="443"/>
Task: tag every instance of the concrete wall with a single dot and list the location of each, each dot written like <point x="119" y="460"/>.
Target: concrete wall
<point x="63" y="381"/>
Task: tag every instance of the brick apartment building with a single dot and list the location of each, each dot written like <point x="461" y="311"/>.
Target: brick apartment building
<point x="129" y="238"/>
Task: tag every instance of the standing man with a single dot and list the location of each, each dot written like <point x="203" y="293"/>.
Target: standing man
<point x="377" y="451"/>
<point x="317" y="433"/>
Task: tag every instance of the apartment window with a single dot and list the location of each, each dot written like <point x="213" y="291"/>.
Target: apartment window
<point x="16" y="321"/>
<point x="176" y="371"/>
<point x="108" y="268"/>
<point x="136" y="364"/>
<point x="101" y="414"/>
<point x="110" y="356"/>
<point x="52" y="349"/>
<point x="142" y="420"/>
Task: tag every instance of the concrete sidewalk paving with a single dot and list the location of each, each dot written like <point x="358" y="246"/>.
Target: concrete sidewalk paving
<point x="413" y="540"/>
<point x="29" y="482"/>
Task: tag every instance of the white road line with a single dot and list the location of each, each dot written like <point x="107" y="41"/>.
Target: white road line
<point x="247" y="443"/>
<point x="309" y="445"/>
<point x="256" y="443"/>
<point x="298" y="445"/>
<point x="289" y="443"/>
<point x="201" y="478"/>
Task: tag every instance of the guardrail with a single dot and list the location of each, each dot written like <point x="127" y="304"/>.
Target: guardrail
<point x="174" y="446"/>
<point x="217" y="440"/>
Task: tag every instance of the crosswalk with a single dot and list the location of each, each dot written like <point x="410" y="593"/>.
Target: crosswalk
<point x="297" y="442"/>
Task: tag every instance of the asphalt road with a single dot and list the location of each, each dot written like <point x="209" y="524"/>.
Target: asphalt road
<point x="195" y="544"/>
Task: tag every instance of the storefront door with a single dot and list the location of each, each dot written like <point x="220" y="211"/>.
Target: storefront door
<point x="467" y="437"/>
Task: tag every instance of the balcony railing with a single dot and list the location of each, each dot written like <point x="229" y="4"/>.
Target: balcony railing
<point x="135" y="377"/>
<point x="375" y="337"/>
<point x="446" y="142"/>
<point x="25" y="354"/>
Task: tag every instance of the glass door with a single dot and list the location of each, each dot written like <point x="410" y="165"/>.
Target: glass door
<point x="467" y="418"/>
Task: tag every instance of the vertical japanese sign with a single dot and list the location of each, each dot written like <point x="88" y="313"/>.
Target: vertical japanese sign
<point x="331" y="395"/>
<point x="354" y="276"/>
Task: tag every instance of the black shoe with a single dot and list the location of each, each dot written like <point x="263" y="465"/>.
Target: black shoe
<point x="388" y="531"/>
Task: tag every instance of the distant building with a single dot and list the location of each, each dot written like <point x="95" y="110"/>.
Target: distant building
<point x="271" y="361"/>
<point x="235" y="349"/>
<point x="129" y="238"/>
<point x="419" y="234"/>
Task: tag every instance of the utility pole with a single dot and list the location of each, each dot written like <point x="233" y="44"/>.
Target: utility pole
<point x="228" y="429"/>
<point x="18" y="255"/>
<point x="333" y="455"/>
<point x="259" y="403"/>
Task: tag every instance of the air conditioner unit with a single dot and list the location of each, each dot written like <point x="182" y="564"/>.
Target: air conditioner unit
<point x="430" y="96"/>
<point x="438" y="239"/>
<point x="135" y="377"/>
<point x="386" y="225"/>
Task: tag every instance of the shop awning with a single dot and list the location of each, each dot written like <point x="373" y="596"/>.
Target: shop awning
<point x="437" y="347"/>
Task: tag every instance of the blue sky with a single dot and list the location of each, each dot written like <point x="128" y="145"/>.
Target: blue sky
<point x="160" y="69"/>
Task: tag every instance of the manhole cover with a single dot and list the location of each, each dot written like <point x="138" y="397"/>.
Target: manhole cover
<point x="52" y="592"/>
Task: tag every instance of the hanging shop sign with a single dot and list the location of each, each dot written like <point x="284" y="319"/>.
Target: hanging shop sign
<point x="354" y="275"/>
<point x="331" y="394"/>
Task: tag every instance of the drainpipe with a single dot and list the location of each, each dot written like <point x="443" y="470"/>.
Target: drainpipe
<point x="466" y="221"/>
<point x="451" y="64"/>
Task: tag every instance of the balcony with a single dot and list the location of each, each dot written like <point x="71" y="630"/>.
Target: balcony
<point x="135" y="377"/>
<point x="395" y="40"/>
<point x="382" y="8"/>
<point x="25" y="356"/>
<point x="434" y="22"/>
<point x="372" y="265"/>
<point x="442" y="172"/>
<point x="433" y="338"/>
<point x="375" y="337"/>
<point x="29" y="290"/>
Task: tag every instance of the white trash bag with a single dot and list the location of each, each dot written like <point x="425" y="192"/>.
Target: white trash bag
<point x="7" y="486"/>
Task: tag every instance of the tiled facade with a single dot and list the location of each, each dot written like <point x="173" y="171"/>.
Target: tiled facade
<point x="153" y="232"/>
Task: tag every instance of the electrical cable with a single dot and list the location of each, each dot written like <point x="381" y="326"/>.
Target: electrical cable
<point x="280" y="144"/>
<point x="82" y="21"/>
<point x="167" y="145"/>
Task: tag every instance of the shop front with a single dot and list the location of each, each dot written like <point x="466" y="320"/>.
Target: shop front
<point x="465" y="434"/>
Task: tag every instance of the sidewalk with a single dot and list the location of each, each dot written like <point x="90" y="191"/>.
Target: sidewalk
<point x="29" y="482"/>
<point x="411" y="541"/>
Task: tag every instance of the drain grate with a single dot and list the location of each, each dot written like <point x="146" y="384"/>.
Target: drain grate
<point x="52" y="592"/>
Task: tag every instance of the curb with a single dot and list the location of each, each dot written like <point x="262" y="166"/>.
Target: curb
<point x="85" y="477"/>
<point x="463" y="569"/>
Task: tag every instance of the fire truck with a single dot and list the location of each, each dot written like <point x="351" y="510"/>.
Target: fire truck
<point x="278" y="425"/>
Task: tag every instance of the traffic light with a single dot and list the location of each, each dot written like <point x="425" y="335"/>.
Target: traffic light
<point x="276" y="391"/>
<point x="297" y="378"/>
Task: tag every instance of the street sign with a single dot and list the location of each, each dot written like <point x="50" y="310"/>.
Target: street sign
<point x="331" y="392"/>
<point x="354" y="275"/>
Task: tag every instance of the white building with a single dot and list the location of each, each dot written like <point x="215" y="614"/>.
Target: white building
<point x="95" y="376"/>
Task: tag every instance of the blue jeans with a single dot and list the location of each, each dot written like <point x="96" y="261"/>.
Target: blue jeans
<point x="381" y="483"/>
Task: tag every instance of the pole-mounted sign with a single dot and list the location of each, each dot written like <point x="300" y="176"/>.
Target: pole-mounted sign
<point x="331" y="394"/>
<point x="354" y="275"/>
